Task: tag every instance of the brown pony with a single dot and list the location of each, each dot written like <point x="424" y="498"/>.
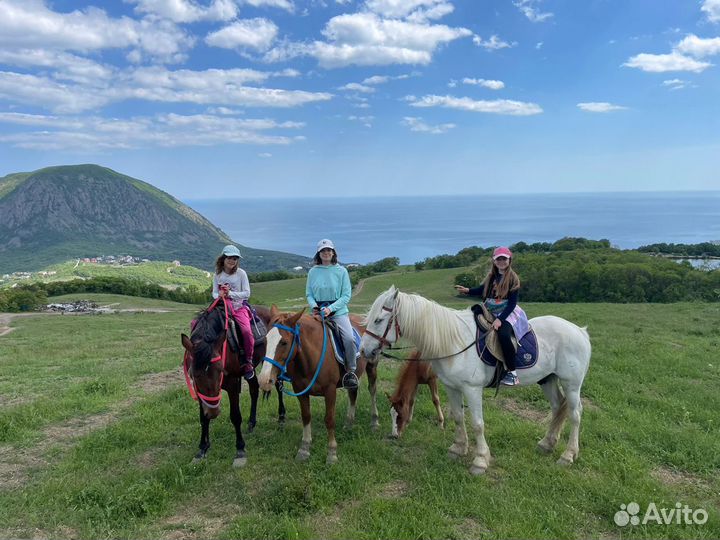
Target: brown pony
<point x="402" y="403"/>
<point x="300" y="355"/>
<point x="208" y="372"/>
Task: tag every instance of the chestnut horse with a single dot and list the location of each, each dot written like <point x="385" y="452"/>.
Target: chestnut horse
<point x="212" y="366"/>
<point x="413" y="373"/>
<point x="300" y="345"/>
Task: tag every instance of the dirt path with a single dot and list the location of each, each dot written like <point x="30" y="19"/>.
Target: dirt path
<point x="359" y="286"/>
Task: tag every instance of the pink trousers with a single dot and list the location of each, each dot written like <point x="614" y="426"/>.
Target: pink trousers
<point x="242" y="316"/>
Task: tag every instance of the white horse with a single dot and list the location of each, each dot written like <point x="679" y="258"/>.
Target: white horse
<point x="440" y="334"/>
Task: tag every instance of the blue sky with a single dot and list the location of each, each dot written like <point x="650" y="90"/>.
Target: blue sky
<point x="269" y="98"/>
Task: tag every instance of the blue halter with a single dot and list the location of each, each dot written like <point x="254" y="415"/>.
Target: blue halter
<point x="296" y="339"/>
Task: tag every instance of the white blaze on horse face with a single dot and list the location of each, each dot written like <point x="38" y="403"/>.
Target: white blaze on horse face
<point x="272" y="340"/>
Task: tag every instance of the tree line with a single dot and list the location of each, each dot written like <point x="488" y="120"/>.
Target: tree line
<point x="605" y="275"/>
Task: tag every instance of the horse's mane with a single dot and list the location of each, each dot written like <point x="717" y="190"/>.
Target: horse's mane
<point x="203" y="337"/>
<point x="433" y="328"/>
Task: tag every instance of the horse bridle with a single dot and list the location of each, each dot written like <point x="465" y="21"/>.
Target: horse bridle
<point x="213" y="402"/>
<point x="393" y="321"/>
<point x="296" y="339"/>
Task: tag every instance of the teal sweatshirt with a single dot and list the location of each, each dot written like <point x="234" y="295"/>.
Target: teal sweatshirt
<point x="329" y="283"/>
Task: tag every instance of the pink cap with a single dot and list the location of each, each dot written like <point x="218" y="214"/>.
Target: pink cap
<point x="502" y="252"/>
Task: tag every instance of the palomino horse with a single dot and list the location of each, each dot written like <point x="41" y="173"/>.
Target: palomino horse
<point x="212" y="366"/>
<point x="300" y="346"/>
<point x="413" y="373"/>
<point x="445" y="336"/>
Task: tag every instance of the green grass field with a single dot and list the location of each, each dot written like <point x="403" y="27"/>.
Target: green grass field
<point x="164" y="273"/>
<point x="97" y="433"/>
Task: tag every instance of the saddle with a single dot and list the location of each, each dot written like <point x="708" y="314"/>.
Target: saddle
<point x="257" y="326"/>
<point x="484" y="320"/>
<point x="337" y="343"/>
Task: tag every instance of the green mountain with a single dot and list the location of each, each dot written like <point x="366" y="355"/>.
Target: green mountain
<point x="59" y="213"/>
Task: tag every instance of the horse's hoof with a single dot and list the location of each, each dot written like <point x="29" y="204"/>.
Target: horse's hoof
<point x="564" y="462"/>
<point x="454" y="456"/>
<point x="251" y="427"/>
<point x="239" y="462"/>
<point x="331" y="459"/>
<point x="477" y="471"/>
<point x="543" y="449"/>
<point x="302" y="455"/>
<point x="198" y="459"/>
<point x="281" y="420"/>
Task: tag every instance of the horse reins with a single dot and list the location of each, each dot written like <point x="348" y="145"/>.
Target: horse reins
<point x="212" y="402"/>
<point x="384" y="341"/>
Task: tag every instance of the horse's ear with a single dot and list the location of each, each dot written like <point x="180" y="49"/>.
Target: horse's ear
<point x="186" y="343"/>
<point x="395" y="291"/>
<point x="293" y="319"/>
<point x="274" y="311"/>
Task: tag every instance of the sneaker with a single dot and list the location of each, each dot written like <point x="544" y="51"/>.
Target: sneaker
<point x="350" y="380"/>
<point x="249" y="374"/>
<point x="510" y="379"/>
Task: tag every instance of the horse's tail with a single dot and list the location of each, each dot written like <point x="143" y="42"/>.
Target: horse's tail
<point x="558" y="419"/>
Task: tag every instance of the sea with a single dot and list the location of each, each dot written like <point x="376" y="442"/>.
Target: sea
<point x="366" y="229"/>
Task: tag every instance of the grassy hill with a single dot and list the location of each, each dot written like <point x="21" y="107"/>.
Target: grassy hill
<point x="110" y="454"/>
<point x="60" y="213"/>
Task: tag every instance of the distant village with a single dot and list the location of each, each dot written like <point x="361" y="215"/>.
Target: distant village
<point x="113" y="260"/>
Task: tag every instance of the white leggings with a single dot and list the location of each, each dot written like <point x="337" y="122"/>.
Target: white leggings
<point x="346" y="334"/>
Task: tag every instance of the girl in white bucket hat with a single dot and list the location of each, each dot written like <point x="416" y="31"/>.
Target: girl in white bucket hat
<point x="328" y="290"/>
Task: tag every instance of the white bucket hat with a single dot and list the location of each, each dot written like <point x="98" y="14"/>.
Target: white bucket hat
<point x="325" y="243"/>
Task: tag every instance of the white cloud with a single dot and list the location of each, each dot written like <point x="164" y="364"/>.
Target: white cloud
<point x="31" y="24"/>
<point x="497" y="106"/>
<point x="382" y="79"/>
<point x="493" y="44"/>
<point x="282" y="4"/>
<point x="491" y="84"/>
<point x="416" y="124"/>
<point x="170" y="130"/>
<point x="413" y="9"/>
<point x="186" y="11"/>
<point x="711" y="9"/>
<point x="660" y="63"/>
<point x="675" y="84"/>
<point x="209" y="87"/>
<point x="599" y="107"/>
<point x="699" y="47"/>
<point x="366" y="121"/>
<point x="527" y="7"/>
<point x="256" y="34"/>
<point x="356" y="87"/>
<point x="265" y="155"/>
<point x="365" y="39"/>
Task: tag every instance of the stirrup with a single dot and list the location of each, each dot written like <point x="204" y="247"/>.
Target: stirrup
<point x="350" y="380"/>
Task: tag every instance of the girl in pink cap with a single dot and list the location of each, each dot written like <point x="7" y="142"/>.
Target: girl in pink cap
<point x="499" y="292"/>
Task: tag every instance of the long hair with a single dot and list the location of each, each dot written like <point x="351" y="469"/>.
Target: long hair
<point x="220" y="265"/>
<point x="317" y="261"/>
<point x="509" y="283"/>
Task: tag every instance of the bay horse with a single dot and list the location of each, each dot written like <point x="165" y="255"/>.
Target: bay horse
<point x="413" y="373"/>
<point x="299" y="345"/>
<point x="211" y="366"/>
<point x="446" y="338"/>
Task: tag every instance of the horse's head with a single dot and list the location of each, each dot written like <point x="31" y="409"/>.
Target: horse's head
<point x="283" y="343"/>
<point x="382" y="326"/>
<point x="399" y="414"/>
<point x="206" y="364"/>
